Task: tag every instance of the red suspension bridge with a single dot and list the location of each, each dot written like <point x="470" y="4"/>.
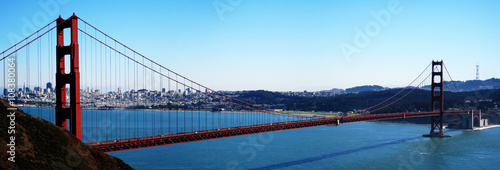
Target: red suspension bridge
<point x="104" y="91"/>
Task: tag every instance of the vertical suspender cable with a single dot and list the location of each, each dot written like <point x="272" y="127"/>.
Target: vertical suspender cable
<point x="136" y="100"/>
<point x="144" y="126"/>
<point x="95" y="86"/>
<point x="126" y="78"/>
<point x="28" y="72"/>
<point x="206" y="114"/>
<point x="213" y="117"/>
<point x="177" y="104"/>
<point x="100" y="87"/>
<point x="84" y="39"/>
<point x="127" y="90"/>
<point x="199" y="107"/>
<point x="38" y="56"/>
<point x="184" y="105"/>
<point x="152" y="101"/>
<point x="105" y="88"/>
<point x="116" y="65"/>
<point x="91" y="120"/>
<point x="127" y="95"/>
<point x="161" y="99"/>
<point x="220" y="120"/>
<point x="169" y="106"/>
<point x="191" y="105"/>
<point x="118" y="84"/>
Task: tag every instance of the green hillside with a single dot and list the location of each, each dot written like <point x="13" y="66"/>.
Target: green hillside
<point x="42" y="145"/>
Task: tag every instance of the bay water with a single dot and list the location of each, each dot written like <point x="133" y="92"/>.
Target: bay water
<point x="362" y="145"/>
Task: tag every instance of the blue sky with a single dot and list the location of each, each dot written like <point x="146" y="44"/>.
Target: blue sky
<point x="284" y="45"/>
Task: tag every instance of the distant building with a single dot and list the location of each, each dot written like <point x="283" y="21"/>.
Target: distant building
<point x="38" y="89"/>
<point x="49" y="87"/>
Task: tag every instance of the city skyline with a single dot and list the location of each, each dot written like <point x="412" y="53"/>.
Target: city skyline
<point x="291" y="46"/>
<point x="92" y="89"/>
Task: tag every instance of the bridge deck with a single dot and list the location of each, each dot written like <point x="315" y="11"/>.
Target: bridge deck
<point x="151" y="141"/>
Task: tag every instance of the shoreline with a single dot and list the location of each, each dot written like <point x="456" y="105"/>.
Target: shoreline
<point x="484" y="127"/>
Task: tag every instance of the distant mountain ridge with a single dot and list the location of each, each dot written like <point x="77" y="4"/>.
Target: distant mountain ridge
<point x="469" y="85"/>
<point x="358" y="89"/>
<point x="463" y="86"/>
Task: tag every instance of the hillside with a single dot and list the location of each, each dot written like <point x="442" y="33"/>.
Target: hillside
<point x="358" y="89"/>
<point x="470" y="85"/>
<point x="42" y="145"/>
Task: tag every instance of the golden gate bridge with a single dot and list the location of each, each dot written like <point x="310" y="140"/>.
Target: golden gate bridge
<point x="116" y="77"/>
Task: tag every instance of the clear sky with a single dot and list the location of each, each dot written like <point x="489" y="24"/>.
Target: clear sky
<point x="284" y="45"/>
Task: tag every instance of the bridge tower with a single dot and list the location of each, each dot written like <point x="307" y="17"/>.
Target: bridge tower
<point x="437" y="98"/>
<point x="63" y="111"/>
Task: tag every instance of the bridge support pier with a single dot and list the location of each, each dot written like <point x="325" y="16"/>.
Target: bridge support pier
<point x="63" y="112"/>
<point x="437" y="98"/>
<point x="473" y="120"/>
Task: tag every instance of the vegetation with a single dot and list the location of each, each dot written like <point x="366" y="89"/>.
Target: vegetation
<point x="364" y="88"/>
<point x="42" y="145"/>
<point x="471" y="85"/>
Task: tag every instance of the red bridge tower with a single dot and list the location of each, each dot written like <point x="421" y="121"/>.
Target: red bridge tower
<point x="63" y="111"/>
<point x="437" y="82"/>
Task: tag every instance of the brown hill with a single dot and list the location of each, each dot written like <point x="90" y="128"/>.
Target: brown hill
<point x="40" y="144"/>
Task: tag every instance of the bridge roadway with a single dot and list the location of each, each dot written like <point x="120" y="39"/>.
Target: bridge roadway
<point x="168" y="139"/>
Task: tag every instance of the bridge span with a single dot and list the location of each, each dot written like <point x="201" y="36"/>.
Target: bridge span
<point x="160" y="140"/>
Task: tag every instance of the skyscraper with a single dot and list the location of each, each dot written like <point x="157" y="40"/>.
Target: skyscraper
<point x="49" y="87"/>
